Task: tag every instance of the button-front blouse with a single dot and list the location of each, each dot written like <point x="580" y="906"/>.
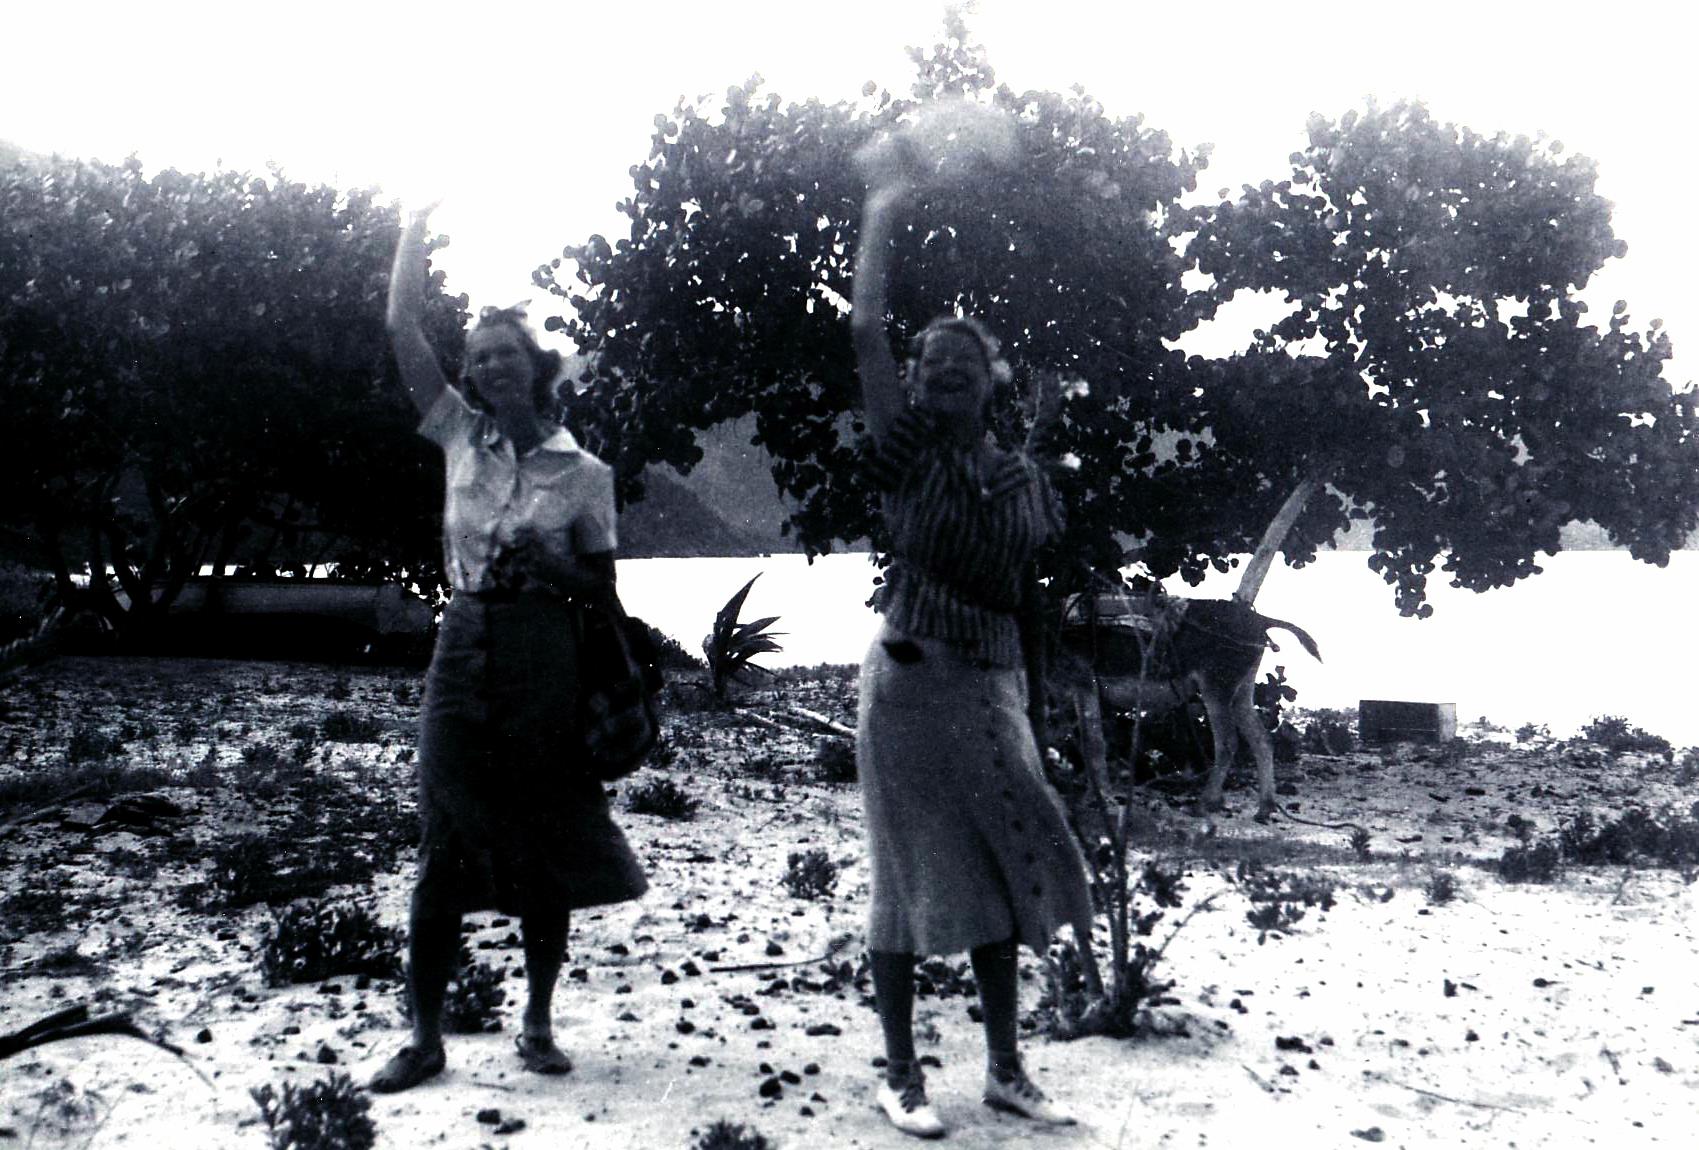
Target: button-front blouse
<point x="962" y="534"/>
<point x="559" y="489"/>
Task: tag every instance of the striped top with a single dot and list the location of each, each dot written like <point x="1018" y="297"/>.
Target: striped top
<point x="962" y="534"/>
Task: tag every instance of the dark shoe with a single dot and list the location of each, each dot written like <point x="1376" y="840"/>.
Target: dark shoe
<point x="407" y="1069"/>
<point x="541" y="1056"/>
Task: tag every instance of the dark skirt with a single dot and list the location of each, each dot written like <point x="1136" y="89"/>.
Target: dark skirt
<point x="967" y="841"/>
<point x="507" y="821"/>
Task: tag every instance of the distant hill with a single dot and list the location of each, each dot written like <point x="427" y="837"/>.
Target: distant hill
<point x="672" y="521"/>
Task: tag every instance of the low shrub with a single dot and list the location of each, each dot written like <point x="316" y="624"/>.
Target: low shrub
<point x="328" y="1114"/>
<point x="1442" y="887"/>
<point x="1636" y="836"/>
<point x="1530" y="862"/>
<point x="810" y="874"/>
<point x="253" y="868"/>
<point x="308" y="942"/>
<point x="670" y="654"/>
<point x="1613" y="733"/>
<point x="1361" y="841"/>
<point x="834" y="761"/>
<point x="726" y="1135"/>
<point x="1071" y="1012"/>
<point x="89" y="744"/>
<point x="474" y="999"/>
<point x="662" y="797"/>
<point x="1329" y="732"/>
<point x="342" y="726"/>
<point x="1280" y="901"/>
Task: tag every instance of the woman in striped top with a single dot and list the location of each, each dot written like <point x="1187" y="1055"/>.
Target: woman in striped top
<point x="970" y="849"/>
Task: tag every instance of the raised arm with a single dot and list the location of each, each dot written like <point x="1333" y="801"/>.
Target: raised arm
<point x="420" y="372"/>
<point x="881" y="390"/>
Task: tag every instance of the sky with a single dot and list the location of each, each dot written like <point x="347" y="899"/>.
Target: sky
<point x="524" y="117"/>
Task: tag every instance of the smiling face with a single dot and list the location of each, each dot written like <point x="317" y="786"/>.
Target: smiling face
<point x="499" y="365"/>
<point x="952" y="376"/>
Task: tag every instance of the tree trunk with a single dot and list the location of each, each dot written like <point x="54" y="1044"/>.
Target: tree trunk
<point x="1278" y="528"/>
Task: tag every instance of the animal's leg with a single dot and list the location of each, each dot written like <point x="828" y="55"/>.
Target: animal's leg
<point x="1220" y="713"/>
<point x="1249" y="722"/>
<point x="1088" y="714"/>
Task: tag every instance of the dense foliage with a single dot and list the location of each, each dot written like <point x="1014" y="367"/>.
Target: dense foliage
<point x="198" y="369"/>
<point x="1436" y="374"/>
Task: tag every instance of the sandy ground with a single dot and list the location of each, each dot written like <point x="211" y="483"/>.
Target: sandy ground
<point x="1511" y="1016"/>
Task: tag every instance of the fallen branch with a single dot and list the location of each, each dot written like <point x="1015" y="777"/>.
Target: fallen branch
<point x="758" y="720"/>
<point x="826" y="721"/>
<point x="42" y="812"/>
<point x="1448" y="1098"/>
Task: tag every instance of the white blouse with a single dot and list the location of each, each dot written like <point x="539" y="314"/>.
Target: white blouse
<point x="557" y="488"/>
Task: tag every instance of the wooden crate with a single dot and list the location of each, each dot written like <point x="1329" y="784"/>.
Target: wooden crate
<point x="1395" y="721"/>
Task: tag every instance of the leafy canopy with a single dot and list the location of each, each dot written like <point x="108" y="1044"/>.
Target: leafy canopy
<point x="200" y="368"/>
<point x="1436" y="376"/>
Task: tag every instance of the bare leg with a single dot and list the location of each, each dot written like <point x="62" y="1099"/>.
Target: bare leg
<point x="544" y="932"/>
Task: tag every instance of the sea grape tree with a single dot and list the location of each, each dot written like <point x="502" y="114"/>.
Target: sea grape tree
<point x="1437" y="374"/>
<point x="196" y="370"/>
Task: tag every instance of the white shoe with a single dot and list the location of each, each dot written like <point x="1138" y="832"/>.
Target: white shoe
<point x="908" y="1109"/>
<point x="1018" y="1095"/>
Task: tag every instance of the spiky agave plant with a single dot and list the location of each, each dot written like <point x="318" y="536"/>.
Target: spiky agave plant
<point x="732" y="646"/>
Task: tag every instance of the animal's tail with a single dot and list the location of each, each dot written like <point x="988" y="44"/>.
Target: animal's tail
<point x="1309" y="644"/>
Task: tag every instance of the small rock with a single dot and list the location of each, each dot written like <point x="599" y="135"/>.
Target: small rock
<point x="326" y="1056"/>
<point x="490" y="1116"/>
<point x="1471" y="1036"/>
<point x="774" y="949"/>
<point x="761" y="1024"/>
<point x="932" y="1061"/>
<point x="811" y="1068"/>
<point x="511" y="1126"/>
<point x="1372" y="1134"/>
<point x="790" y="1078"/>
<point x="690" y="968"/>
<point x="204" y="1035"/>
<point x="685" y="1026"/>
<point x="668" y="978"/>
<point x="771" y="1088"/>
<point x="1450" y="989"/>
<point x="619" y="949"/>
<point x="627" y="1016"/>
<point x="1293" y="1043"/>
<point x="578" y="974"/>
<point x="823" y="1030"/>
<point x="699" y="1060"/>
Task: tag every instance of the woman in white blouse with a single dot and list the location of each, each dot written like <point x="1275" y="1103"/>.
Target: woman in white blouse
<point x="528" y="526"/>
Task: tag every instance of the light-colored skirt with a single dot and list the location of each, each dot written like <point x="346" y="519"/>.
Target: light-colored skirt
<point x="968" y="843"/>
<point x="509" y="821"/>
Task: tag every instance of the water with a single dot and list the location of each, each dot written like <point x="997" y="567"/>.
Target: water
<point x="1595" y="634"/>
